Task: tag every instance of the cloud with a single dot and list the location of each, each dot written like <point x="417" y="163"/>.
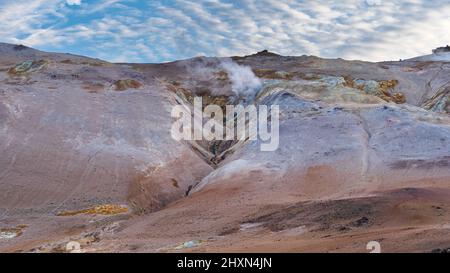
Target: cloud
<point x="73" y="2"/>
<point x="155" y="31"/>
<point x="22" y="20"/>
<point x="373" y="2"/>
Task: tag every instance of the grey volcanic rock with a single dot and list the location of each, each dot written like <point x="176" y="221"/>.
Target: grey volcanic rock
<point x="358" y="140"/>
<point x="70" y="140"/>
<point x="442" y="49"/>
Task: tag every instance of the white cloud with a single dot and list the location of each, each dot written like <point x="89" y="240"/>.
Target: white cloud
<point x="373" y="2"/>
<point x="167" y="30"/>
<point x="73" y="2"/>
<point x="22" y="20"/>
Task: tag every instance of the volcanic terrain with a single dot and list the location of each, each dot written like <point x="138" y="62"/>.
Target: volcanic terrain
<point x="86" y="155"/>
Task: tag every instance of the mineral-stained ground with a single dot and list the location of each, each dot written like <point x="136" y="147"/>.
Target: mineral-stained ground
<point x="86" y="155"/>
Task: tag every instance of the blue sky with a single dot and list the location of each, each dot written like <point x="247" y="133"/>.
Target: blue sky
<point x="159" y="31"/>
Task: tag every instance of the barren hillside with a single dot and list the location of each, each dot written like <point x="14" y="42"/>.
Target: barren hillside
<point x="86" y="155"/>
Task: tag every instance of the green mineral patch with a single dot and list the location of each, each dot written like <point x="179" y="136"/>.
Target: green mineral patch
<point x="28" y="67"/>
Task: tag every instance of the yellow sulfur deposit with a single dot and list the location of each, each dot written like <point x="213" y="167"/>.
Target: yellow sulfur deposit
<point x="122" y="85"/>
<point x="108" y="209"/>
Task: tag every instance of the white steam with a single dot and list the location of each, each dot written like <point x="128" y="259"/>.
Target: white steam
<point x="206" y="73"/>
<point x="244" y="83"/>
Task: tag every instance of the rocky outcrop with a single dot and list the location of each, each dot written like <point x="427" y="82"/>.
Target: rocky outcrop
<point x="443" y="49"/>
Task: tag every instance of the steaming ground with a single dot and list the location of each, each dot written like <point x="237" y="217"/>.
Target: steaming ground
<point x="87" y="155"/>
<point x="222" y="77"/>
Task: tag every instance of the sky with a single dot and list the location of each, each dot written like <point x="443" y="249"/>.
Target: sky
<point x="161" y="31"/>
